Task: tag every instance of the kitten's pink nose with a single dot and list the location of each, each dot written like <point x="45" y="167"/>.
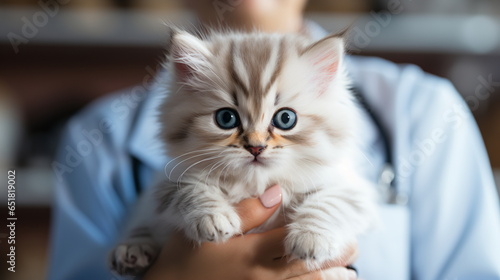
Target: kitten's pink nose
<point x="255" y="150"/>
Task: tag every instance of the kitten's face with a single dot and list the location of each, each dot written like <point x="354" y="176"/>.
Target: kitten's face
<point x="255" y="105"/>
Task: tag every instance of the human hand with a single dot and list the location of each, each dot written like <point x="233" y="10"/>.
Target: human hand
<point x="251" y="256"/>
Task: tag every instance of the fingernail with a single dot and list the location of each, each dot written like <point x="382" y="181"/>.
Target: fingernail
<point x="351" y="274"/>
<point x="271" y="197"/>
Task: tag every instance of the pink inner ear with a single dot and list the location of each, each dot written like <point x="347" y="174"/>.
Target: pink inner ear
<point x="326" y="66"/>
<point x="183" y="71"/>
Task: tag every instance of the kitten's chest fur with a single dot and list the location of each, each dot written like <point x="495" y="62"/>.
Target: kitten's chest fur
<point x="294" y="187"/>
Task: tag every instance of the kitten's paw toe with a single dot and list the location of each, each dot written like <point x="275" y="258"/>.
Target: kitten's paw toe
<point x="133" y="259"/>
<point x="217" y="227"/>
<point x="312" y="247"/>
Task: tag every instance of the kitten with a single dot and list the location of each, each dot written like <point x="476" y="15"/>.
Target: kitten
<point x="244" y="112"/>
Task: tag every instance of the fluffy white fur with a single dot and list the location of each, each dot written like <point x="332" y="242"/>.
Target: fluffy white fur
<point x="326" y="204"/>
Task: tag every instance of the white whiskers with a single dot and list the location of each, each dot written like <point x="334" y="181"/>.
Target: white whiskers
<point x="206" y="152"/>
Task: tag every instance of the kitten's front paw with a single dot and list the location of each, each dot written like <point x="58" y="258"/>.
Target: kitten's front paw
<point x="313" y="247"/>
<point x="215" y="227"/>
<point x="133" y="259"/>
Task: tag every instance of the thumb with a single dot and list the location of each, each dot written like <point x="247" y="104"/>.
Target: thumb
<point x="255" y="211"/>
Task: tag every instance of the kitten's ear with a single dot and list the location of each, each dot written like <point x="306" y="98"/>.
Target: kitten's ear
<point x="325" y="57"/>
<point x="187" y="53"/>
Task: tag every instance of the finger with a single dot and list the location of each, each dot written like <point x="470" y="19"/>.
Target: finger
<point x="316" y="275"/>
<point x="334" y="273"/>
<point x="349" y="255"/>
<point x="338" y="273"/>
<point x="297" y="268"/>
<point x="272" y="244"/>
<point x="255" y="211"/>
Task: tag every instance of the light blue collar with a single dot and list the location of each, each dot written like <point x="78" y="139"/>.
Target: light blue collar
<point x="144" y="141"/>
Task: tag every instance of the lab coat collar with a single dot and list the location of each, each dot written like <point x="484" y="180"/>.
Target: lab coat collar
<point x="144" y="143"/>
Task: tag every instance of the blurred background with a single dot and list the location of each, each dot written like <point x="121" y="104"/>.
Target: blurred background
<point x="57" y="58"/>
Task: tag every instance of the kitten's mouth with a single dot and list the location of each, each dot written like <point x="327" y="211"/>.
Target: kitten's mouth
<point x="257" y="161"/>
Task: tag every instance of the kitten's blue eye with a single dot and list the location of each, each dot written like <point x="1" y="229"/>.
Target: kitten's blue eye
<point x="285" y="119"/>
<point x="227" y="118"/>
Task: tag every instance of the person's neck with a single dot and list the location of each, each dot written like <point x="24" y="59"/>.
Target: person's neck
<point x="279" y="25"/>
<point x="292" y="24"/>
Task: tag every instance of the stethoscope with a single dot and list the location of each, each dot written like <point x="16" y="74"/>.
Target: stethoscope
<point x="386" y="185"/>
<point x="387" y="189"/>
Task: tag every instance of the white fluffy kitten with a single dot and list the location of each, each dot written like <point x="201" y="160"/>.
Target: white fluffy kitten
<point x="244" y="112"/>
